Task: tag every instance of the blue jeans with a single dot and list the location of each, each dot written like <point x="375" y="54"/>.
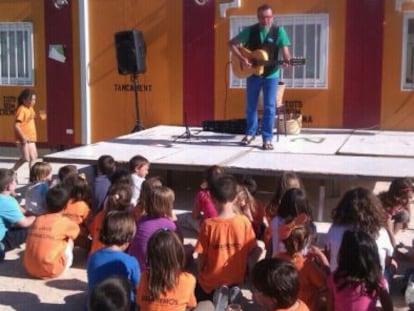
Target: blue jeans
<point x="253" y="87"/>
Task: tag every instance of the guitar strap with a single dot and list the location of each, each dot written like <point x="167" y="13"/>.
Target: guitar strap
<point x="269" y="45"/>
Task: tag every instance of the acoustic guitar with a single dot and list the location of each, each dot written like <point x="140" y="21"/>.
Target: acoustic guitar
<point x="259" y="59"/>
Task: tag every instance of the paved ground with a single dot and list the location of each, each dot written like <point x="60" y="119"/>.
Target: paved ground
<point x="20" y="292"/>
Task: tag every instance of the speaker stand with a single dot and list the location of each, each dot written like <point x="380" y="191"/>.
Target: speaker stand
<point x="138" y="126"/>
<point x="187" y="133"/>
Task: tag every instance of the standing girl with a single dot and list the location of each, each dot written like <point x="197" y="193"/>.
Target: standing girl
<point x="164" y="282"/>
<point x="25" y="128"/>
<point x="357" y="283"/>
<point x="35" y="196"/>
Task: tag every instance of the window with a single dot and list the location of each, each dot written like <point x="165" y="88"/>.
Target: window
<point x="308" y="34"/>
<point x="407" y="79"/>
<point x="16" y="53"/>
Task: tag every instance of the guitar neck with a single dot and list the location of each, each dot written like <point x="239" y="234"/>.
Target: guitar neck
<point x="269" y="62"/>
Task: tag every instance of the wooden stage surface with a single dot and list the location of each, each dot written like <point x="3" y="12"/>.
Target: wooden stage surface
<point x="319" y="153"/>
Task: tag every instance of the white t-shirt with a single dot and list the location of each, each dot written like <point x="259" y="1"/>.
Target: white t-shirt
<point x="334" y="239"/>
<point x="136" y="188"/>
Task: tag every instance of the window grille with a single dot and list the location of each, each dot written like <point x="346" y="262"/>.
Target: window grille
<point x="407" y="72"/>
<point x="16" y="53"/>
<point x="308" y="34"/>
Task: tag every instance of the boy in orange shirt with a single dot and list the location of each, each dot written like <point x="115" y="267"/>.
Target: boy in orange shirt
<point x="225" y="242"/>
<point x="49" y="244"/>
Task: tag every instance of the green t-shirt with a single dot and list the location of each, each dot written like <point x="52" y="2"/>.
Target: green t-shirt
<point x="282" y="39"/>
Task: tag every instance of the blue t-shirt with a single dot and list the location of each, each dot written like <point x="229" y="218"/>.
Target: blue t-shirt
<point x="107" y="262"/>
<point x="9" y="213"/>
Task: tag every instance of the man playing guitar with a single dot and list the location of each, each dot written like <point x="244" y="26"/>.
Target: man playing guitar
<point x="265" y="36"/>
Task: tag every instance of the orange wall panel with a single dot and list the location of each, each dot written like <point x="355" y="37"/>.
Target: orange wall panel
<point x="397" y="109"/>
<point x="19" y="11"/>
<point x="160" y="88"/>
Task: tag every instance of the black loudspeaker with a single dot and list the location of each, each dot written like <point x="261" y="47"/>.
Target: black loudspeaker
<point x="130" y="52"/>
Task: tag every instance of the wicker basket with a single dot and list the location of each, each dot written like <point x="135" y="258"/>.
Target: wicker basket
<point x="293" y="124"/>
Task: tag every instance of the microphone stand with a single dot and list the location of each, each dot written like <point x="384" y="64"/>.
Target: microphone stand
<point x="138" y="126"/>
<point x="187" y="133"/>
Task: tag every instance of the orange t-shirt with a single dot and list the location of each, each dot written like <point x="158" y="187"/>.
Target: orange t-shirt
<point x="225" y="243"/>
<point x="94" y="228"/>
<point x="46" y="243"/>
<point x="300" y="306"/>
<point x="312" y="278"/>
<point x="76" y="211"/>
<point x="177" y="299"/>
<point x="25" y="116"/>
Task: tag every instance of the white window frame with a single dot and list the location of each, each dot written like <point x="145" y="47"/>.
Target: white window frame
<point x="18" y="71"/>
<point x="406" y="86"/>
<point x="237" y="22"/>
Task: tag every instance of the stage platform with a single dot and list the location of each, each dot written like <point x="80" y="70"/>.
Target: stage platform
<point x="319" y="153"/>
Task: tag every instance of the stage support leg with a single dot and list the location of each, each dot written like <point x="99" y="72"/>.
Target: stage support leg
<point x="321" y="202"/>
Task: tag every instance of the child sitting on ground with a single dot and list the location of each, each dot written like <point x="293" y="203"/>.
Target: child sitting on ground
<point x="158" y="211"/>
<point x="203" y="204"/>
<point x="145" y="195"/>
<point x="275" y="284"/>
<point x="105" y="167"/>
<point x="49" y="243"/>
<point x="358" y="283"/>
<point x="40" y="177"/>
<point x="138" y="168"/>
<point x="225" y="243"/>
<point x="111" y="294"/>
<point x="396" y="203"/>
<point x="118" y="199"/>
<point x="118" y="229"/>
<point x="250" y="207"/>
<point x="165" y="282"/>
<point x="78" y="208"/>
<point x="121" y="176"/>
<point x="294" y="202"/>
<point x="13" y="224"/>
<point x="287" y="181"/>
<point x="64" y="172"/>
<point x="295" y="234"/>
<point x="359" y="209"/>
